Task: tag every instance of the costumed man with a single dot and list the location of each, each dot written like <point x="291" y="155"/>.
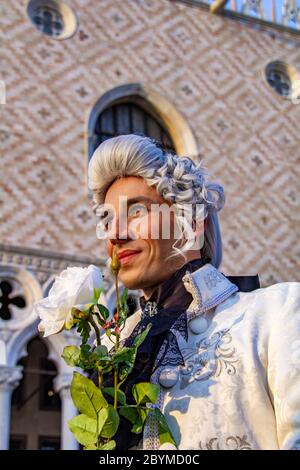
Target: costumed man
<point x="225" y="352"/>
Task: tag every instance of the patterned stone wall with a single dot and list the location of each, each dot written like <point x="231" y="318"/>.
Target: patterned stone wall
<point x="210" y="68"/>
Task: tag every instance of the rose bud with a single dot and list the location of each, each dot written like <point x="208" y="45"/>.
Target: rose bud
<point x="115" y="264"/>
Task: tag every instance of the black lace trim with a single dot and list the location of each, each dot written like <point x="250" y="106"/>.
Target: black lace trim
<point x="181" y="326"/>
<point x="169" y="353"/>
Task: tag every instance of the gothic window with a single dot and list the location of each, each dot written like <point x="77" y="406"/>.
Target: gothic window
<point x="279" y="81"/>
<point x="284" y="79"/>
<point x="48" y="21"/>
<point x="129" y="118"/>
<point x="35" y="401"/>
<point x="7" y="299"/>
<point x="53" y="18"/>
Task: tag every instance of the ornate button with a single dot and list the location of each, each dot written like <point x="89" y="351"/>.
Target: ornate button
<point x="168" y="377"/>
<point x="167" y="446"/>
<point x="198" y="325"/>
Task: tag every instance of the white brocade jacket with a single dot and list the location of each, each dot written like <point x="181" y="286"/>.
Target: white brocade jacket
<point x="239" y="387"/>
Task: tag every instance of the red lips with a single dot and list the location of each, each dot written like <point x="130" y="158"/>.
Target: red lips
<point x="126" y="255"/>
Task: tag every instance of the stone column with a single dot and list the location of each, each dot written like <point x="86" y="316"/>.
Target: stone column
<point x="9" y="380"/>
<point x="62" y="384"/>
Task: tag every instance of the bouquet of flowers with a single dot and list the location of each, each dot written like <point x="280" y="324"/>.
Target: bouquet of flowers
<point x="74" y="301"/>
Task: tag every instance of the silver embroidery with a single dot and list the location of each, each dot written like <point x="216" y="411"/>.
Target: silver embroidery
<point x="150" y="310"/>
<point x="209" y="358"/>
<point x="212" y="278"/>
<point x="231" y="443"/>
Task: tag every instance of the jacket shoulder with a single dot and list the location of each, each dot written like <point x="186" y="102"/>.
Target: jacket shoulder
<point x="281" y="290"/>
<point x="275" y="301"/>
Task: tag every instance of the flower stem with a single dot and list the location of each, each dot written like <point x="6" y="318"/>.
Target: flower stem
<point x="94" y="325"/>
<point x="117" y="343"/>
<point x="98" y="339"/>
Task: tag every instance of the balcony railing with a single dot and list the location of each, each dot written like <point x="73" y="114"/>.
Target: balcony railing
<point x="282" y="13"/>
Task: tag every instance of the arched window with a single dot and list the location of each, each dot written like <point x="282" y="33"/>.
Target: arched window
<point x="36" y="407"/>
<point x="129" y="118"/>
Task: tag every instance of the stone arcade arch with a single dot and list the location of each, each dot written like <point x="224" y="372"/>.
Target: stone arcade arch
<point x="14" y="337"/>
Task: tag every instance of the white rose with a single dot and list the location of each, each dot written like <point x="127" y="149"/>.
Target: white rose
<point x="74" y="287"/>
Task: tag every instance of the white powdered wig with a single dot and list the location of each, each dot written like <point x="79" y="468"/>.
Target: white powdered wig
<point x="177" y="179"/>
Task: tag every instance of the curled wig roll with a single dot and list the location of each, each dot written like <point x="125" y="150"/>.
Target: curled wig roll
<point x="178" y="180"/>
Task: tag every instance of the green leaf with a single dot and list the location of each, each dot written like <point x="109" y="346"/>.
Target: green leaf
<point x="91" y="447"/>
<point x="111" y="445"/>
<point x="85" y="351"/>
<point x="97" y="293"/>
<point x="143" y="413"/>
<point x="108" y="421"/>
<point x="123" y="308"/>
<point x="137" y="427"/>
<point x="123" y="297"/>
<point x="104" y="367"/>
<point x="104" y="312"/>
<point x="71" y="355"/>
<point x="84" y="429"/>
<point x="139" y="339"/>
<point x="136" y="415"/>
<point x="121" y="395"/>
<point x="83" y="328"/>
<point x="102" y="417"/>
<point x="145" y="392"/>
<point x="101" y="352"/>
<point x="79" y="357"/>
<point x="87" y="398"/>
<point x="130" y="413"/>
<point x="164" y="431"/>
<point x="126" y="369"/>
<point x="102" y="359"/>
<point x="124" y="356"/>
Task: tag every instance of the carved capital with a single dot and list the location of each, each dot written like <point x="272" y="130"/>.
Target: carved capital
<point x="62" y="383"/>
<point x="10" y="377"/>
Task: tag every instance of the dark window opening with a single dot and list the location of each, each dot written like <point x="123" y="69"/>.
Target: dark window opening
<point x="49" y="443"/>
<point x="49" y="399"/>
<point x="129" y="118"/>
<point x="18" y="442"/>
<point x="35" y="402"/>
